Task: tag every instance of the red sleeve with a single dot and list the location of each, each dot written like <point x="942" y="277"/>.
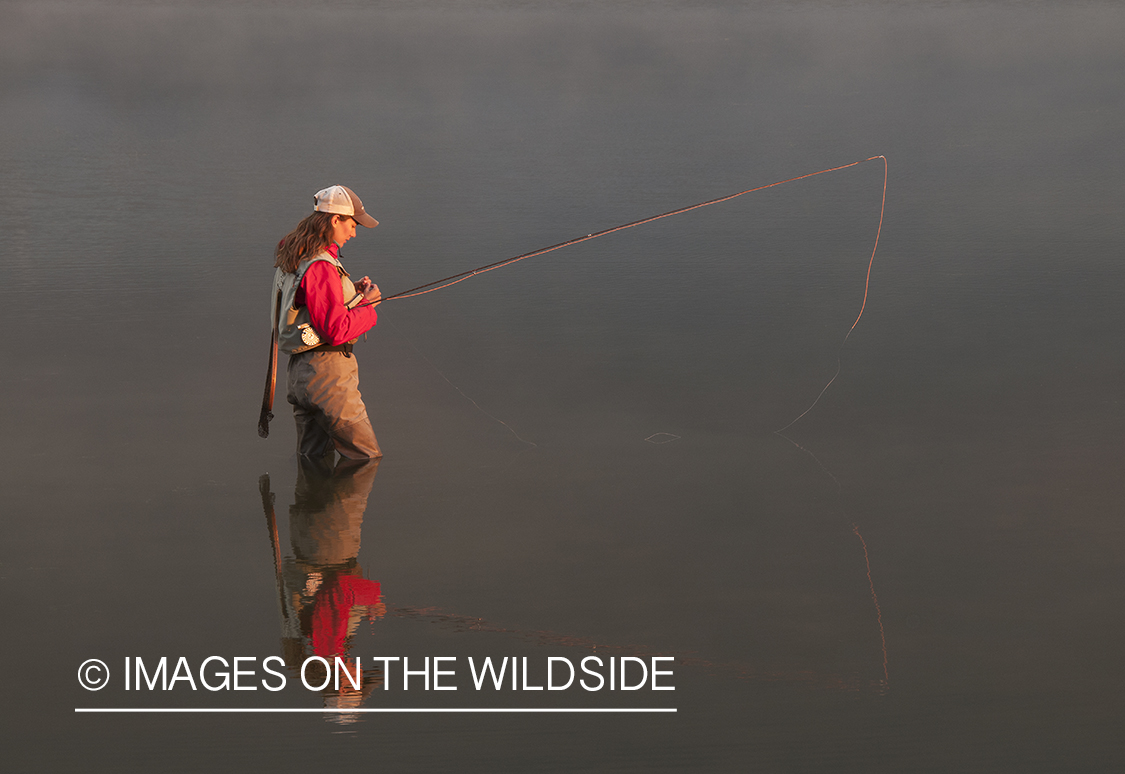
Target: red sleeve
<point x="324" y="297"/>
<point x="332" y="608"/>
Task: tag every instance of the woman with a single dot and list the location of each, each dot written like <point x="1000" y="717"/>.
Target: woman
<point x="319" y="313"/>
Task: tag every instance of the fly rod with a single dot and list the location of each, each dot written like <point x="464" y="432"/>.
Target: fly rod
<point x="430" y="287"/>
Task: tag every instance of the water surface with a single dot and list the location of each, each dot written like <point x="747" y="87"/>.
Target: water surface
<point x="964" y="466"/>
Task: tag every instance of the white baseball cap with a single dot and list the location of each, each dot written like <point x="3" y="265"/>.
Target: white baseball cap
<point x="341" y="200"/>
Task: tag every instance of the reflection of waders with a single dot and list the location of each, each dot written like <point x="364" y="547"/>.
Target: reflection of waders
<point x="322" y="380"/>
<point x="326" y="595"/>
<point x="322" y="593"/>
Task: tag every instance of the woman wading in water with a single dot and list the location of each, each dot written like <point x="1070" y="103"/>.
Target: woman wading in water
<point x="319" y="316"/>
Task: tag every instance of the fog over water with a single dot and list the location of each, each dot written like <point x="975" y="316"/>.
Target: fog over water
<point x="923" y="574"/>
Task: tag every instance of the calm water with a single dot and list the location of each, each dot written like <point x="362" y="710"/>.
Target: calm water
<point x="926" y="574"/>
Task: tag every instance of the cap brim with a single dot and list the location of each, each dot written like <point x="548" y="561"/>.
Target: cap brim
<point x="364" y="219"/>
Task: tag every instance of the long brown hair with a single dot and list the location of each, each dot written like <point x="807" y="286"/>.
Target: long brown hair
<point x="312" y="235"/>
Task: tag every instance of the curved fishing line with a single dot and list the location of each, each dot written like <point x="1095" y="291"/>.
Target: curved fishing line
<point x="839" y="487"/>
<point x="430" y="287"/>
<point x="866" y="287"/>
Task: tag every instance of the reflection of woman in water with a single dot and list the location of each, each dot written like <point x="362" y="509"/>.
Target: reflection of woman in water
<point x="323" y="593"/>
<point x="319" y="316"/>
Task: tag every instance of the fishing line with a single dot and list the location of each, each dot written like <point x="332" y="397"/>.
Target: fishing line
<point x="445" y="282"/>
<point x="878" y="610"/>
<point x="799" y="417"/>
<point x="430" y="287"/>
<point x="885" y="683"/>
<point x="459" y="390"/>
<point x="866" y="287"/>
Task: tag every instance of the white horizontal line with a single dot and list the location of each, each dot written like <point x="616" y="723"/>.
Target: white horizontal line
<point x="374" y="709"/>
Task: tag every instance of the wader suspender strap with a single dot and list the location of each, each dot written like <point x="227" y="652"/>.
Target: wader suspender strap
<point x="271" y="375"/>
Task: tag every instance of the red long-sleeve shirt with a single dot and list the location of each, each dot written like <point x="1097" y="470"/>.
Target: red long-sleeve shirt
<point x="320" y="291"/>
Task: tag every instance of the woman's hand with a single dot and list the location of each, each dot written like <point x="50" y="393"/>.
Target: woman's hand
<point x="370" y="291"/>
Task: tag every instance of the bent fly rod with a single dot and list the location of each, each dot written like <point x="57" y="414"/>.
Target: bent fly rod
<point x="430" y="287"/>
